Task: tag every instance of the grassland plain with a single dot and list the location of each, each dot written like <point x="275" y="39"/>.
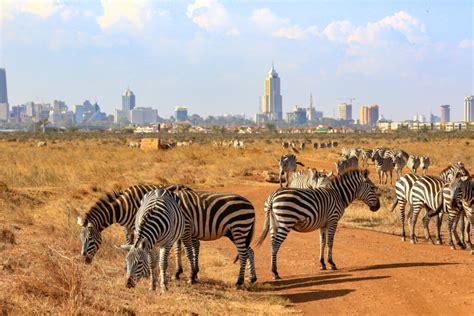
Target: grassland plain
<point x="43" y="189"/>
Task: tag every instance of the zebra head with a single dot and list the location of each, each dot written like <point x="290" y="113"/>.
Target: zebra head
<point x="91" y="239"/>
<point x="366" y="192"/>
<point x="137" y="261"/>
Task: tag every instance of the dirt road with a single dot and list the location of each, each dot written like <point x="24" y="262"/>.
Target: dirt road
<point x="378" y="273"/>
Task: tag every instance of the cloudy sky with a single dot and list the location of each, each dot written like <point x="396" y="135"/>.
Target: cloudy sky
<point x="406" y="56"/>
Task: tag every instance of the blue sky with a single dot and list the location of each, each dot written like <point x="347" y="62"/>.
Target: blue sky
<point x="212" y="56"/>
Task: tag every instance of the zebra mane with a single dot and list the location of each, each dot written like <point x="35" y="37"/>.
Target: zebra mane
<point x="108" y="198"/>
<point x="349" y="173"/>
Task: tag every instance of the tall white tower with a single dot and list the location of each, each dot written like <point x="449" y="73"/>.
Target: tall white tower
<point x="468" y="109"/>
<point x="272" y="99"/>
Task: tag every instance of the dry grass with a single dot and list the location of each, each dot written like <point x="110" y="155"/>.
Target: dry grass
<point x="42" y="190"/>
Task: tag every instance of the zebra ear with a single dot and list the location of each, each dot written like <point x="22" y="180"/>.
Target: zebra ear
<point x="80" y="221"/>
<point x="90" y="226"/>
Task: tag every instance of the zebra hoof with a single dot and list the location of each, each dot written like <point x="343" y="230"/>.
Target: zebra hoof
<point x="463" y="246"/>
<point x="276" y="277"/>
<point x="404" y="239"/>
<point x="253" y="280"/>
<point x="192" y="281"/>
<point x="333" y="267"/>
<point x="439" y="242"/>
<point x="323" y="268"/>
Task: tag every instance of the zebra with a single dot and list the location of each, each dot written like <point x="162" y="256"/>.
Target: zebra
<point x="202" y="209"/>
<point x="287" y="164"/>
<point x="345" y="152"/>
<point x="306" y="210"/>
<point x="366" y="155"/>
<point x="424" y="164"/>
<point x="214" y="215"/>
<point x="285" y="145"/>
<point x="328" y="144"/>
<point x="427" y="192"/>
<point x="380" y="150"/>
<point x="398" y="164"/>
<point x="117" y="207"/>
<point x="310" y="178"/>
<point x="383" y="166"/>
<point x="322" y="145"/>
<point x="315" y="146"/>
<point x="302" y="145"/>
<point x="334" y="144"/>
<point x="413" y="163"/>
<point x="347" y="164"/>
<point x="159" y="222"/>
<point x="404" y="185"/>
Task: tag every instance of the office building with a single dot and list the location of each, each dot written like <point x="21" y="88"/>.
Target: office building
<point x="369" y="115"/>
<point x="468" y="109"/>
<point x="3" y="86"/>
<point x="445" y="113"/>
<point x="272" y="99"/>
<point x="181" y="113"/>
<point x="128" y="100"/>
<point x="141" y="116"/>
<point x="345" y="111"/>
<point x="297" y="116"/>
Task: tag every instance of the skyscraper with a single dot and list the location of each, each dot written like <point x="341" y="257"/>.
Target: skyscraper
<point x="445" y="117"/>
<point x="128" y="100"/>
<point x="468" y="109"/>
<point x="345" y="111"/>
<point x="272" y="100"/>
<point x="181" y="113"/>
<point x="4" y="108"/>
<point x="364" y="115"/>
<point x="369" y="115"/>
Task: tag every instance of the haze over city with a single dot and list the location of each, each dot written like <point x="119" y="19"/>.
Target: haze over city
<point x="213" y="56"/>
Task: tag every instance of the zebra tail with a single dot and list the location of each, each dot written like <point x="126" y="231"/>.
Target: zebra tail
<point x="266" y="225"/>
<point x="300" y="163"/>
<point x="394" y="205"/>
<point x="248" y="240"/>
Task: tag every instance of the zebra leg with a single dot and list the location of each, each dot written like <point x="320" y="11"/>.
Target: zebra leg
<point x="153" y="258"/>
<point x="469" y="226"/>
<point x="391" y="177"/>
<point x="451" y="220"/>
<point x="177" y="255"/>
<point x="462" y="229"/>
<point x="164" y="253"/>
<point x="322" y="244"/>
<point x="402" y="204"/>
<point x="287" y="177"/>
<point x="196" y="247"/>
<point x="439" y="222"/>
<point x="188" y="246"/>
<point x="459" y="241"/>
<point x="277" y="239"/>
<point x="413" y="218"/>
<point x="331" y="233"/>
<point x="251" y="266"/>
<point x="426" y="227"/>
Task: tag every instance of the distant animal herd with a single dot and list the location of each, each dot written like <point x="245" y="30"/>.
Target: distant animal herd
<point x="158" y="218"/>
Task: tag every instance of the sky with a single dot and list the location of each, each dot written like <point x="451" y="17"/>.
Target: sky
<point x="213" y="56"/>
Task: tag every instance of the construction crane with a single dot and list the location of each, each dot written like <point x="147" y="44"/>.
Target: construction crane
<point x="351" y="99"/>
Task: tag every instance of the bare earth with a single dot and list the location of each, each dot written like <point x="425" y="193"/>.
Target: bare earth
<point x="378" y="273"/>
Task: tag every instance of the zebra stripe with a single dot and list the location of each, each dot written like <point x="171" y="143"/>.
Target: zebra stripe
<point x="306" y="210"/>
<point x="305" y="179"/>
<point x="413" y="163"/>
<point x="424" y="164"/>
<point x="399" y="163"/>
<point x="383" y="166"/>
<point x="159" y="223"/>
<point x="347" y="164"/>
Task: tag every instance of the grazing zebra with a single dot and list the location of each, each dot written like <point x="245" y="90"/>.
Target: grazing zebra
<point x="310" y="178"/>
<point x="347" y="164"/>
<point x="315" y="145"/>
<point x="424" y="164"/>
<point x="322" y="145"/>
<point x="366" y="155"/>
<point x="398" y="164"/>
<point x="383" y="166"/>
<point x="413" y="163"/>
<point x="120" y="208"/>
<point x="306" y="210"/>
<point x="287" y="164"/>
<point x="160" y="223"/>
<point x="404" y="185"/>
<point x="214" y="215"/>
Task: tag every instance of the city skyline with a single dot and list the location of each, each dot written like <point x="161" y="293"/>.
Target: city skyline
<point x="211" y="55"/>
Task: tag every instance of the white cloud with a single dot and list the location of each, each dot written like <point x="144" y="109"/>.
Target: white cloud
<point x="125" y="13"/>
<point x="208" y="14"/>
<point x="467" y="43"/>
<point x="39" y="8"/>
<point x="233" y="32"/>
<point x="292" y="32"/>
<point x="395" y="28"/>
<point x="266" y="20"/>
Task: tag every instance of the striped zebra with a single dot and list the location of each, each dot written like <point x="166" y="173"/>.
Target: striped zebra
<point x="347" y="164"/>
<point x="424" y="164"/>
<point x="205" y="211"/>
<point x="115" y="208"/>
<point x="305" y="179"/>
<point x="315" y="146"/>
<point x="349" y="152"/>
<point x="366" y="155"/>
<point x="285" y="145"/>
<point x="380" y="151"/>
<point x="159" y="223"/>
<point x="306" y="210"/>
<point x="413" y="163"/>
<point x="404" y="185"/>
<point x="398" y="164"/>
<point x="287" y="164"/>
<point x="384" y="166"/>
<point x="427" y="192"/>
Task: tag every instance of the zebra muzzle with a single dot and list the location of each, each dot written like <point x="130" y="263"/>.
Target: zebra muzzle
<point x="130" y="283"/>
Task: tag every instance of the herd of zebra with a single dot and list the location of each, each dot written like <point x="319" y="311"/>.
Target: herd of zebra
<point x="297" y="146"/>
<point x="156" y="218"/>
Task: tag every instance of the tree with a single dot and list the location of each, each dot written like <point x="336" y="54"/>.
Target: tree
<point x="270" y="127"/>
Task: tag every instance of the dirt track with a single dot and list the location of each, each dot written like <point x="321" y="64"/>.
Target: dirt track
<point x="378" y="273"/>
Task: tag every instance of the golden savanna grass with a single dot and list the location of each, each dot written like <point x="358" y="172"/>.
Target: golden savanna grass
<point x="42" y="190"/>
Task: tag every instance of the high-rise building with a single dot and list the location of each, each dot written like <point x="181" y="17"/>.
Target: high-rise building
<point x="140" y="116"/>
<point x="128" y="100"/>
<point x="297" y="117"/>
<point x="345" y="111"/>
<point x="181" y="113"/>
<point x="369" y="115"/>
<point x="364" y="115"/>
<point x="310" y="111"/>
<point x="445" y="111"/>
<point x="3" y="86"/>
<point x="272" y="99"/>
<point x="468" y="109"/>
